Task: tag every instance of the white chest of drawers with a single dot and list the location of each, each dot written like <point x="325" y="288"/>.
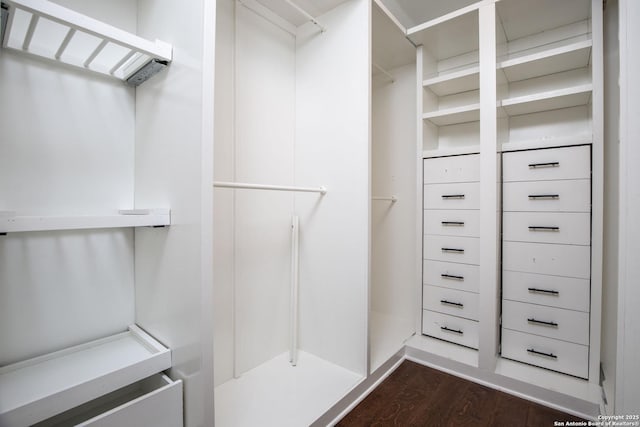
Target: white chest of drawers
<point x="451" y="248"/>
<point x="546" y="258"/>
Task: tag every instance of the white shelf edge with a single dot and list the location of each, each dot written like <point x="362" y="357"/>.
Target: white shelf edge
<point x="543" y="96"/>
<point x="439" y="117"/>
<point x="545" y="54"/>
<point x="448" y="17"/>
<point x="151" y="357"/>
<point x="128" y="218"/>
<point x="451" y="151"/>
<point x="448" y="76"/>
<point x="545" y="143"/>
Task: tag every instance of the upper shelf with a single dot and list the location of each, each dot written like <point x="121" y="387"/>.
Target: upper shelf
<point x="47" y="30"/>
<point x="39" y="388"/>
<point x="11" y="223"/>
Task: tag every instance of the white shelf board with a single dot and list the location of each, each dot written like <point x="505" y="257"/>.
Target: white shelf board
<point x="448" y="83"/>
<point x="550" y="61"/>
<point x="453" y="116"/>
<point x="137" y="51"/>
<point x="546" y="143"/>
<point x="547" y="101"/>
<point x="451" y="151"/>
<point x="127" y="218"/>
<point x="39" y="388"/>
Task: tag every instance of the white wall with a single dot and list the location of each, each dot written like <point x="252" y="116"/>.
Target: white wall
<point x="393" y="226"/>
<point x="67" y="148"/>
<point x="174" y="168"/>
<point x="627" y="367"/>
<point x="333" y="149"/>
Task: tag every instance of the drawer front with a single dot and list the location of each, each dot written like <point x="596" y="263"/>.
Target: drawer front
<point x="452" y="169"/>
<point x="547" y="164"/>
<point x="464" y="250"/>
<point x="551" y="322"/>
<point x="561" y="356"/>
<point x="547" y="227"/>
<point x="452" y="196"/>
<point x="547" y="196"/>
<point x="450" y="328"/>
<point x="450" y="301"/>
<point x="464" y="223"/>
<point x="542" y="258"/>
<point x="451" y="275"/>
<point x="552" y="291"/>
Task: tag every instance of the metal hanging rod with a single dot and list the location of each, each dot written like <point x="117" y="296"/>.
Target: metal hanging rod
<point x="391" y="199"/>
<point x="306" y="15"/>
<point x="220" y="184"/>
<point x="385" y="72"/>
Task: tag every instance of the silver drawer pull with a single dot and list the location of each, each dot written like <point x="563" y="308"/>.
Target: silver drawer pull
<point x="455" y="331"/>
<point x="453" y="196"/>
<point x="544" y="291"/>
<point x="451" y="277"/>
<point x="458" y="251"/>
<point x="457" y="304"/>
<point x="544" y="196"/>
<point x="454" y="223"/>
<point x="542" y="322"/>
<point x="540" y="353"/>
<point x="542" y="228"/>
<point x="544" y="165"/>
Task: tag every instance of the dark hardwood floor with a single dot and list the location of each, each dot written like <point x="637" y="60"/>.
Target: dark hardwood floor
<point x="415" y="395"/>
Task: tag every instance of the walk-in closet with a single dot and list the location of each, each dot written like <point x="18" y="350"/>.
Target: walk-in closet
<point x="251" y="212"/>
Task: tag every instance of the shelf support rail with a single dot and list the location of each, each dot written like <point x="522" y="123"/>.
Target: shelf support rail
<point x="306" y="15"/>
<point x="391" y="199"/>
<point x="220" y="184"/>
<point x="385" y="72"/>
<point x="295" y="277"/>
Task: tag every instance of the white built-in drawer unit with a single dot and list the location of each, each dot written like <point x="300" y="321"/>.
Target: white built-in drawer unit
<point x="452" y="169"/>
<point x="465" y="223"/>
<point x="464" y="277"/>
<point x="546" y="258"/>
<point x="557" y="355"/>
<point x="464" y="250"/>
<point x="450" y="328"/>
<point x="450" y="301"/>
<point x="452" y="196"/>
<point x="451" y="248"/>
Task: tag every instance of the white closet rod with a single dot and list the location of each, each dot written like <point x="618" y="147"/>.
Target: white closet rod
<point x="391" y="199"/>
<point x="220" y="184"/>
<point x="306" y="15"/>
<point x="385" y="72"/>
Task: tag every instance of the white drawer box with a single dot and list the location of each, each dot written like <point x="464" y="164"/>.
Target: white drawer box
<point x="464" y="250"/>
<point x="450" y="301"/>
<point x="460" y="222"/>
<point x="464" y="277"/>
<point x="546" y="196"/>
<point x="452" y="196"/>
<point x="547" y="227"/>
<point x="543" y="258"/>
<point x="552" y="291"/>
<point x="155" y="401"/>
<point x="551" y="322"/>
<point x="450" y="328"/>
<point x="561" y="356"/>
<point x="547" y="164"/>
<point x="452" y="169"/>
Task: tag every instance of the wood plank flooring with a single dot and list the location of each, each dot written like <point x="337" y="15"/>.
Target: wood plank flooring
<point x="415" y="395"/>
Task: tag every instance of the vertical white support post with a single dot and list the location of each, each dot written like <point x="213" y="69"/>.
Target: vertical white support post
<point x="293" y="351"/>
<point x="419" y="185"/>
<point x="489" y="182"/>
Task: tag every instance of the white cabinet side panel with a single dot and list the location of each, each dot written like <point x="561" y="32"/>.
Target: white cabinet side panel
<point x="332" y="149"/>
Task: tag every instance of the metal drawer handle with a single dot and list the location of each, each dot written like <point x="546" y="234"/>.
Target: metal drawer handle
<point x="456" y="331"/>
<point x="453" y="196"/>
<point x="452" y="277"/>
<point x="544" y="165"/>
<point x="458" y="251"/>
<point x="457" y="223"/>
<point x="457" y="304"/>
<point x="542" y="228"/>
<point x="544" y="196"/>
<point x="542" y="322"/>
<point x="544" y="291"/>
<point x="540" y="353"/>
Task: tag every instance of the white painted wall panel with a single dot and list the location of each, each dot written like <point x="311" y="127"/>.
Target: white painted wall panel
<point x="332" y="149"/>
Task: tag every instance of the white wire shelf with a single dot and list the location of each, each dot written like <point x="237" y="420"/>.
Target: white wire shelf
<point x="48" y="30"/>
